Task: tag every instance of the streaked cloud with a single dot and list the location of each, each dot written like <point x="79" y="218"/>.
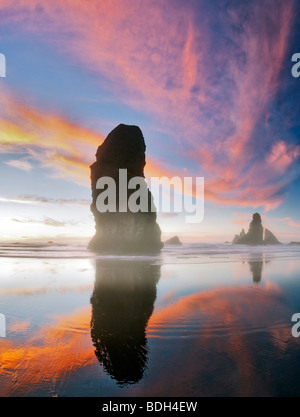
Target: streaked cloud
<point x="288" y="221"/>
<point x="65" y="148"/>
<point x="38" y="200"/>
<point x="23" y="165"/>
<point x="48" y="221"/>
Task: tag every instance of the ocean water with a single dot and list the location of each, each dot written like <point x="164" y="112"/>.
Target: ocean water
<point x="196" y="320"/>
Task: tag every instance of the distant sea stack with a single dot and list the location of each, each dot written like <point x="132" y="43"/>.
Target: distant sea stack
<point x="173" y="241"/>
<point x="123" y="231"/>
<point x="256" y="235"/>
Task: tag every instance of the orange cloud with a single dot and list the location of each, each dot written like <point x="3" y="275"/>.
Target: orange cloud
<point x="54" y="142"/>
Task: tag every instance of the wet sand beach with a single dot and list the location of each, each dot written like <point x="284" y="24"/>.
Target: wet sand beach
<point x="197" y="320"/>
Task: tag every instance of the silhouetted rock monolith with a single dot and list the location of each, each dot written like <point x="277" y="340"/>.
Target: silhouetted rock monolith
<point x="123" y="231"/>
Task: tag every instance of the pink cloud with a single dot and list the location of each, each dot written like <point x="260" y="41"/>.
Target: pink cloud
<point x="285" y="220"/>
<point x="282" y="156"/>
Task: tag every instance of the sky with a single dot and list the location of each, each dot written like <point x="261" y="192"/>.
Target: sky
<point x="208" y="82"/>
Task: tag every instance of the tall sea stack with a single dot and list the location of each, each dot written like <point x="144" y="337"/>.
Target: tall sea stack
<point x="123" y="231"/>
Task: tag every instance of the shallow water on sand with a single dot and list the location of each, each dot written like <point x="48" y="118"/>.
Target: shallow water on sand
<point x="197" y="320"/>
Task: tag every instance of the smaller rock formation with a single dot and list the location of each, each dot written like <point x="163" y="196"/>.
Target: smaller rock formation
<point x="270" y="238"/>
<point x="256" y="235"/>
<point x="238" y="237"/>
<point x="294" y="243"/>
<point x="173" y="241"/>
<point x="235" y="239"/>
